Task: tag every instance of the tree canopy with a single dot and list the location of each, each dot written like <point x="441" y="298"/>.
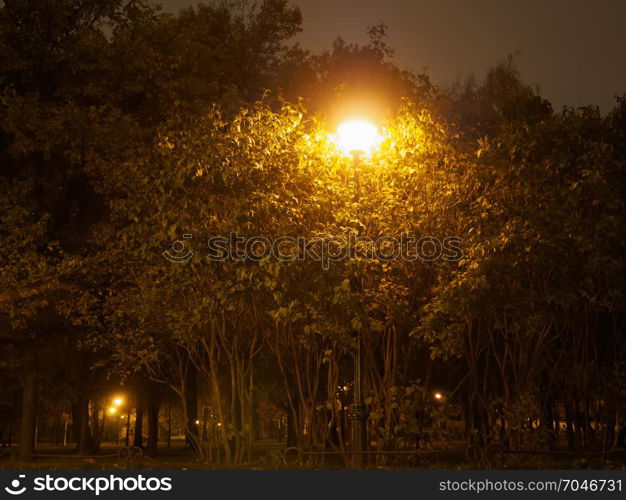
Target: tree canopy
<point x="124" y="129"/>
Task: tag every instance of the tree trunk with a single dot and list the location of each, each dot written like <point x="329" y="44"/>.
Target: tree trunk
<point x="97" y="426"/>
<point x="169" y="422"/>
<point x="569" y="429"/>
<point x="292" y="429"/>
<point x="76" y="422"/>
<point x="29" y="412"/>
<point x="127" y="438"/>
<point x="85" y="439"/>
<point x="153" y="425"/>
<point x="191" y="404"/>
<point x="138" y="440"/>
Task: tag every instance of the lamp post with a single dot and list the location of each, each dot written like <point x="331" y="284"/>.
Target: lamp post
<point x="117" y="403"/>
<point x="113" y="413"/>
<point x="358" y="138"/>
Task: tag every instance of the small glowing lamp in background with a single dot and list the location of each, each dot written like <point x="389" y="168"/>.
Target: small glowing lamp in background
<point x="118" y="401"/>
<point x="357" y="136"/>
<point x="112" y="410"/>
<point x="438" y="396"/>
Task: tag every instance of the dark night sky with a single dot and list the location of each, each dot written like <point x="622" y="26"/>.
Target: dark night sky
<point x="575" y="50"/>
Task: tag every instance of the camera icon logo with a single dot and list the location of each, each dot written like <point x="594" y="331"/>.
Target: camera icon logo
<point x="15" y="489"/>
<point x="177" y="253"/>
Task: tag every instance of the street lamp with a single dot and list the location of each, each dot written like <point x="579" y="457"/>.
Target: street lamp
<point x="358" y="138"/>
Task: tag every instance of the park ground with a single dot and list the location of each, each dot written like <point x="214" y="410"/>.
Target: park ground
<point x="272" y="455"/>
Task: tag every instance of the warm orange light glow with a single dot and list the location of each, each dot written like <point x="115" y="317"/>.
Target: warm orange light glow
<point x="112" y="410"/>
<point x="438" y="396"/>
<point x="118" y="401"/>
<point x="357" y="136"/>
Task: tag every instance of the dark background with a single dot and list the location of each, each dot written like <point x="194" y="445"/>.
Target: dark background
<point x="574" y="50"/>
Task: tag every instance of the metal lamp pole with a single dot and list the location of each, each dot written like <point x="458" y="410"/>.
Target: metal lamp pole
<point x="357" y="411"/>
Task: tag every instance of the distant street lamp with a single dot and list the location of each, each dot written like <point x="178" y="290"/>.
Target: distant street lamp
<point x="358" y="138"/>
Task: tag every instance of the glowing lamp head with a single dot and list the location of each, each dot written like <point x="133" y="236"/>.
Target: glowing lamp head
<point x="357" y="137"/>
<point x="438" y="396"/>
<point x="118" y="401"/>
<point x="112" y="410"/>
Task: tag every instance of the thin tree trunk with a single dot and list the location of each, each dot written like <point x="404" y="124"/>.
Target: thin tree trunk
<point x="169" y="422"/>
<point x="29" y="413"/>
<point x="153" y="426"/>
<point x="191" y="405"/>
<point x="127" y="439"/>
<point x="138" y="439"/>
<point x="85" y="439"/>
